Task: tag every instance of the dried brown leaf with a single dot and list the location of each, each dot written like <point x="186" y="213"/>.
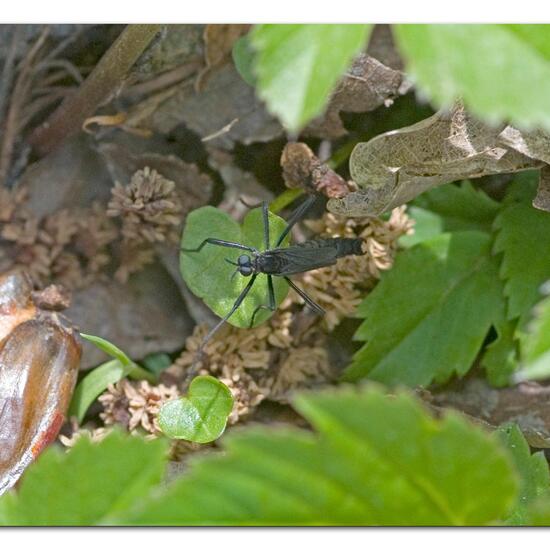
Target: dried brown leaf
<point x="394" y="167"/>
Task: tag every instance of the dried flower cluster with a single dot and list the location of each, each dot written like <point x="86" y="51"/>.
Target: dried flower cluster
<point x="135" y="405"/>
<point x="95" y="435"/>
<point x="149" y="207"/>
<point x="150" y="210"/>
<point x="266" y="362"/>
<point x="68" y="247"/>
<point x="75" y="247"/>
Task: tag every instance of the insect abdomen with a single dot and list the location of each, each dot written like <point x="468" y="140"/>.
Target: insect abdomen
<point x="348" y="247"/>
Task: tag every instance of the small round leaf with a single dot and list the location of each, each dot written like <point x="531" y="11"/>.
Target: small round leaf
<point x="202" y="415"/>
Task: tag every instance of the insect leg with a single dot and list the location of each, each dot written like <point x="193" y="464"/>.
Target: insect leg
<point x="265" y="215"/>
<point x="236" y="305"/>
<point x="316" y="307"/>
<point x="195" y="366"/>
<point x="272" y="306"/>
<point x="295" y="217"/>
<point x="219" y="242"/>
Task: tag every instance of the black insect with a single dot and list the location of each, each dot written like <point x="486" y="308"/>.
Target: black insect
<point x="281" y="262"/>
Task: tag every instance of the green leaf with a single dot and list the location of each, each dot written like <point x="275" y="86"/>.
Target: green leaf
<point x="500" y="359"/>
<point x="538" y="513"/>
<point x="532" y="469"/>
<point x="535" y="354"/>
<point x="244" y="57"/>
<point x="299" y="65"/>
<point x="427" y="225"/>
<point x="429" y="315"/>
<point x="501" y="73"/>
<point x="537" y="341"/>
<point x="523" y="187"/>
<point x="375" y="460"/>
<point x="209" y="276"/>
<point x="109" y="349"/>
<point x="201" y="417"/>
<point x="156" y="362"/>
<point x="537" y="36"/>
<point x="89" y="485"/>
<point x="460" y="207"/>
<point x="450" y="208"/>
<point x="96" y="382"/>
<point x="523" y="237"/>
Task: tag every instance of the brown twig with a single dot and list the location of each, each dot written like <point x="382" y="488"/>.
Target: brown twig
<point x="102" y="82"/>
<point x="163" y="81"/>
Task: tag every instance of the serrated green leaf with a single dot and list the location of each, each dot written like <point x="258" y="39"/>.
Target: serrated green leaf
<point x="243" y="57"/>
<point x="523" y="238"/>
<point x="471" y="61"/>
<point x="202" y="415"/>
<point x="209" y="276"/>
<point x="532" y="469"/>
<point x="450" y="208"/>
<point x="427" y="225"/>
<point x="298" y="66"/>
<point x="537" y="341"/>
<point x="460" y="207"/>
<point x="429" y="315"/>
<point x="500" y="359"/>
<point x="523" y="187"/>
<point x="535" y="356"/>
<point x="376" y="460"/>
<point x="89" y="485"/>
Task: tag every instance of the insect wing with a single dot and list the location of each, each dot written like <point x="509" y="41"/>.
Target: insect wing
<point x="302" y="258"/>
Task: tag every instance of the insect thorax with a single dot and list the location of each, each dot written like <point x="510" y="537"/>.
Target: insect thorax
<point x="268" y="263"/>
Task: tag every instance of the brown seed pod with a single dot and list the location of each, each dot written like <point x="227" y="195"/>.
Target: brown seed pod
<point x="39" y="359"/>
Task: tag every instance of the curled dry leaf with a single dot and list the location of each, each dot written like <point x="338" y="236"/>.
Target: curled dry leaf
<point x="451" y="145"/>
<point x="365" y="86"/>
<point x="302" y="169"/>
<point x="382" y="47"/>
<point x="39" y="359"/>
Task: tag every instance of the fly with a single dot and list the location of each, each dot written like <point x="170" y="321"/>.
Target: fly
<point x="281" y="262"/>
